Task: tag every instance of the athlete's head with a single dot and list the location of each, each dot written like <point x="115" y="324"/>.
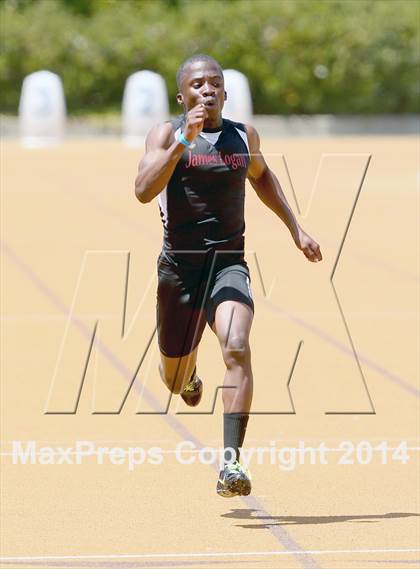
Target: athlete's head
<point x="200" y="80"/>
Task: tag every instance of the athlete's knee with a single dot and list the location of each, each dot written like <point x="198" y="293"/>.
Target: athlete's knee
<point x="236" y="351"/>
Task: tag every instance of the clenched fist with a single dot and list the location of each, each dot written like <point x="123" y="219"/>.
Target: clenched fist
<point x="308" y="246"/>
<point x="195" y="122"/>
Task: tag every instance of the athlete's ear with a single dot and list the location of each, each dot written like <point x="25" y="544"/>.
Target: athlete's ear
<point x="180" y="99"/>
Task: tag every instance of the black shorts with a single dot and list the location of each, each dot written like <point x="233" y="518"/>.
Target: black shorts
<point x="188" y="297"/>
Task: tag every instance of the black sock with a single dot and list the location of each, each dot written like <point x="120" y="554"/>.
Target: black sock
<point x="234" y="428"/>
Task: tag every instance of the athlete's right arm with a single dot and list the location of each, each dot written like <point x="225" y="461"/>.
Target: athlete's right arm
<point x="162" y="154"/>
<point x="158" y="163"/>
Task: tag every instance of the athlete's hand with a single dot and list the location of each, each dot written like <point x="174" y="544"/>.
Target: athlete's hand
<point x="195" y="122"/>
<point x="308" y="246"/>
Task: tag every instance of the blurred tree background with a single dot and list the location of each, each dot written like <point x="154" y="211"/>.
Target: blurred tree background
<point x="300" y="56"/>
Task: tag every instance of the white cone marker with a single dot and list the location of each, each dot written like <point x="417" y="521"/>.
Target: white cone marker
<point x="145" y="103"/>
<point x="238" y="105"/>
<point x="42" y="110"/>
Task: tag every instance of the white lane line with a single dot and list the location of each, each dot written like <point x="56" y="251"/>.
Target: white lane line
<point x="218" y="554"/>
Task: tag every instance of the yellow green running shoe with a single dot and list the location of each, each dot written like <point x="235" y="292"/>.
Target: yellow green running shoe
<point x="234" y="480"/>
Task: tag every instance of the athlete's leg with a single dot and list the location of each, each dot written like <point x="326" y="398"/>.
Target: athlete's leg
<point x="180" y="324"/>
<point x="176" y="372"/>
<point x="232" y="325"/>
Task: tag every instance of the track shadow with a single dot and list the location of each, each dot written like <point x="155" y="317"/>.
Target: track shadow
<point x="266" y="522"/>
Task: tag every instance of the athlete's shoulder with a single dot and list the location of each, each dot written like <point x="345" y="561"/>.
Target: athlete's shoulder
<point x="241" y="129"/>
<point x="238" y="125"/>
<point x="162" y="134"/>
<point x="253" y="137"/>
<point x="177" y="122"/>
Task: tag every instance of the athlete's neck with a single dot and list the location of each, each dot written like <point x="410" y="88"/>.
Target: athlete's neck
<point x="213" y="124"/>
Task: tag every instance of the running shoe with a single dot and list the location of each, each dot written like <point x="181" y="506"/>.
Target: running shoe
<point x="193" y="391"/>
<point x="234" y="480"/>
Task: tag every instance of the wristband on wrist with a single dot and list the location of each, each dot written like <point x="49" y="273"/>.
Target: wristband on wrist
<point x="183" y="140"/>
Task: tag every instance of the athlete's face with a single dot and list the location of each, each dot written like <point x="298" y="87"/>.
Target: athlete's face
<point x="202" y="82"/>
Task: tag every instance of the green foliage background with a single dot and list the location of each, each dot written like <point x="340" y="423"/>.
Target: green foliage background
<point x="300" y="56"/>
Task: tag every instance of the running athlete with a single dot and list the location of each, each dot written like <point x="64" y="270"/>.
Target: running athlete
<point x="197" y="165"/>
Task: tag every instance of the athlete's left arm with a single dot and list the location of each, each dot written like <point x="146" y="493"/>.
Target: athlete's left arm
<point x="268" y="189"/>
